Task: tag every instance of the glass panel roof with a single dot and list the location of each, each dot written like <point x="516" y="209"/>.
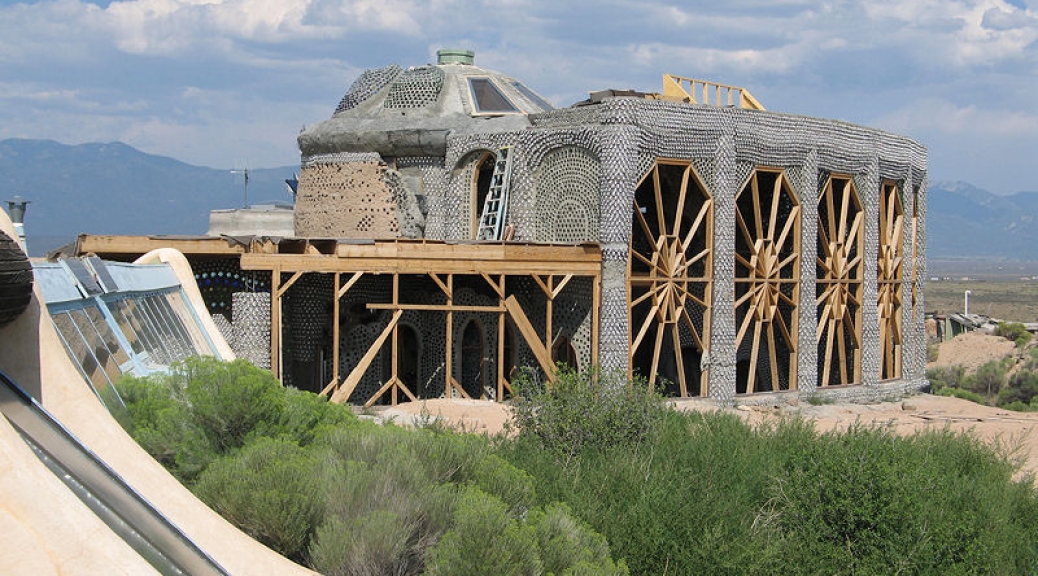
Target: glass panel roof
<point x="488" y="98"/>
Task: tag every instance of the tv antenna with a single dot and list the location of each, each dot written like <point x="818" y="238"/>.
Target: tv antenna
<point x="244" y="172"/>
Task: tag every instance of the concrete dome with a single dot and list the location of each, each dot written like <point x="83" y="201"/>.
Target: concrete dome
<point x="409" y="112"/>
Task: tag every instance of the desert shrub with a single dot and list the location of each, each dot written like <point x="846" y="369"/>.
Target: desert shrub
<point x="228" y="399"/>
<point x="268" y="490"/>
<point x="960" y="393"/>
<point x="158" y="417"/>
<point x="484" y="539"/>
<point x="495" y="475"/>
<point x="990" y="377"/>
<point x="205" y="408"/>
<point x="1014" y="331"/>
<point x="585" y="411"/>
<point x="378" y="543"/>
<point x="569" y="546"/>
<point x="868" y="502"/>
<point x="947" y="377"/>
<point x="1022" y="387"/>
<point x="1018" y="406"/>
<point x="780" y="499"/>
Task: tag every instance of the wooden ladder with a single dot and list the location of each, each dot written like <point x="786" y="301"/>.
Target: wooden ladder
<point x="495" y="206"/>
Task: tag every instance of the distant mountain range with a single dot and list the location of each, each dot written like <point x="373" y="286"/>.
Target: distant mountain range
<point x="964" y="221"/>
<point x="116" y="189"/>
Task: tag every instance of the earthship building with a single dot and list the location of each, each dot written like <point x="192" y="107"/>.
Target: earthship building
<point x="452" y="228"/>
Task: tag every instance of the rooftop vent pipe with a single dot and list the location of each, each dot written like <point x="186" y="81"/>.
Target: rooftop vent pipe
<point x="455" y="56"/>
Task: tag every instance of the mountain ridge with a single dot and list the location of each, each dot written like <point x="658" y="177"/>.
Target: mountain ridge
<point x="114" y="188"/>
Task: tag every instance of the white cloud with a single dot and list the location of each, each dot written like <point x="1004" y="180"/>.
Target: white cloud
<point x="940" y="116"/>
<point x="212" y="80"/>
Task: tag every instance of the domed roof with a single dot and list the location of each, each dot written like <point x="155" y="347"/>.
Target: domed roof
<point x="409" y="112"/>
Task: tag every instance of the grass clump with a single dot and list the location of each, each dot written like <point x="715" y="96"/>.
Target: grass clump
<point x="963" y="394"/>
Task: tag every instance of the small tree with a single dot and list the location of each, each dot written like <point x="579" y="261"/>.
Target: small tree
<point x="1014" y="331"/>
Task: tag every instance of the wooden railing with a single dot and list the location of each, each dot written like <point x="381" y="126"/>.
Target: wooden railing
<point x="710" y="93"/>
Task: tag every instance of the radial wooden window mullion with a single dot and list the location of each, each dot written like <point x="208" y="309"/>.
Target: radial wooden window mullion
<point x="890" y="276"/>
<point x="839" y="282"/>
<point x="669" y="276"/>
<point x="767" y="272"/>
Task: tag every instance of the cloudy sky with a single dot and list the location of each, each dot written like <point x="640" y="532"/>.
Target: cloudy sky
<point x="230" y="83"/>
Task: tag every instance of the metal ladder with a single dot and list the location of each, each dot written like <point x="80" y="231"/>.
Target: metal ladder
<point x="495" y="206"/>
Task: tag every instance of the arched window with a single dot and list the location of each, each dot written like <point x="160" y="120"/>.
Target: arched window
<point x="669" y="271"/>
<point x="841" y="244"/>
<point x="767" y="281"/>
<point x="890" y="276"/>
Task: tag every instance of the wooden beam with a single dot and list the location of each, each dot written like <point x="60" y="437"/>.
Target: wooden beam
<point x="434" y="307"/>
<point x="515" y="310"/>
<point x="111" y="245"/>
<point x="404" y="258"/>
<point x="275" y="323"/>
<point x="346" y="390"/>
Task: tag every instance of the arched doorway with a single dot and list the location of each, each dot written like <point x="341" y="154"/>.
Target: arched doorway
<point x="563" y="351"/>
<point x="408" y="360"/>
<point x="482" y="177"/>
<point x="473" y="374"/>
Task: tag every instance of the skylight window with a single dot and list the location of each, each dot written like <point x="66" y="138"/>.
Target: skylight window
<point x="532" y="96"/>
<point x="488" y="98"/>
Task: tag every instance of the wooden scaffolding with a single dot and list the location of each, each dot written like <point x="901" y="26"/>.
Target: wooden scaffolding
<point x="551" y="267"/>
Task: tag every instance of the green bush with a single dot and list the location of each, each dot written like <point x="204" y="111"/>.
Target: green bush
<point x="1022" y="387"/>
<point x="377" y="543"/>
<point x="866" y="501"/>
<point x="228" y="399"/>
<point x="990" y="377"/>
<point x="569" y="546"/>
<point x="158" y="417"/>
<point x="585" y="411"/>
<point x="779" y="499"/>
<point x="268" y="490"/>
<point x="947" y="377"/>
<point x="205" y="408"/>
<point x="1014" y="331"/>
<point x="484" y="539"/>
<point x="960" y="393"/>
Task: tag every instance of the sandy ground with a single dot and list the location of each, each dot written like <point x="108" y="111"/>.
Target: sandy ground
<point x="916" y="413"/>
<point x="1015" y="431"/>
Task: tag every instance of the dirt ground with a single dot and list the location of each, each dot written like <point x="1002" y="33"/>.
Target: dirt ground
<point x="1011" y="430"/>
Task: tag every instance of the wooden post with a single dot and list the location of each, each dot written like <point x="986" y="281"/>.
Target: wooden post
<point x="275" y="322"/>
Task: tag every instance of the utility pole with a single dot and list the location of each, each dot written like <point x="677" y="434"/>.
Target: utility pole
<point x="244" y="172"/>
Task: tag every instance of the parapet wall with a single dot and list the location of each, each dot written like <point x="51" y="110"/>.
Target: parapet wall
<point x="345" y="200"/>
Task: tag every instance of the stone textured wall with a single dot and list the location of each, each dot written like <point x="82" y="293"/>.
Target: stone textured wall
<point x="347" y="199"/>
<point x="593" y="157"/>
<point x="624" y="136"/>
<point x="251" y="321"/>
